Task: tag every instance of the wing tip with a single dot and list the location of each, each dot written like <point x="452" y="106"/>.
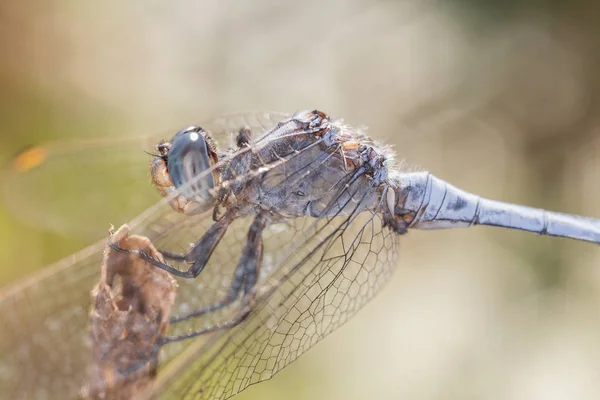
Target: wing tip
<point x="28" y="159"/>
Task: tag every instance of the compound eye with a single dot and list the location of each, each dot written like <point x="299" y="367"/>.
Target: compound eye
<point x="187" y="158"/>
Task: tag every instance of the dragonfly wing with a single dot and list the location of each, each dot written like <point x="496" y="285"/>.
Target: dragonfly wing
<point x="319" y="275"/>
<point x="70" y="187"/>
<point x="44" y="347"/>
<point x="46" y="316"/>
<point x="316" y="273"/>
<point x="65" y="187"/>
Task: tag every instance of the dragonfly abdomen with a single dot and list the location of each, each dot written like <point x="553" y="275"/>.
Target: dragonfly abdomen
<point x="427" y="202"/>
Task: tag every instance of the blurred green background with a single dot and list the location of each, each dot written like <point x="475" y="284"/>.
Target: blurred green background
<point x="499" y="98"/>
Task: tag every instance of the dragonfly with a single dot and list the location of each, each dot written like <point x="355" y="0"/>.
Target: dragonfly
<point x="278" y="228"/>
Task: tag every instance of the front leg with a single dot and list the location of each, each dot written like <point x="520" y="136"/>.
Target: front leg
<point x="244" y="280"/>
<point x="198" y="255"/>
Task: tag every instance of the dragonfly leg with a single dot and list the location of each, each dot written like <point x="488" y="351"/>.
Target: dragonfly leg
<point x="173" y="256"/>
<point x="244" y="280"/>
<point x="199" y="254"/>
<point x="237" y="284"/>
<point x="238" y="318"/>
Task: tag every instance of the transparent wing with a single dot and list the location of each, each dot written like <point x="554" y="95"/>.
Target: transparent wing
<point x="315" y="289"/>
<point x="316" y="273"/>
<point x="307" y="293"/>
<point x="46" y="315"/>
<point x="71" y="187"/>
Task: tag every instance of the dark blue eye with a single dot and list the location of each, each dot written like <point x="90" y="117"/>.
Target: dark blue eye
<point x="189" y="156"/>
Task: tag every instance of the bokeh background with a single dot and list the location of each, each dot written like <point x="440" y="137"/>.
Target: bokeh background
<point x="499" y="98"/>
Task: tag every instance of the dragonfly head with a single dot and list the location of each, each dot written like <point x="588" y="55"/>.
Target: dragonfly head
<point x="186" y="163"/>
